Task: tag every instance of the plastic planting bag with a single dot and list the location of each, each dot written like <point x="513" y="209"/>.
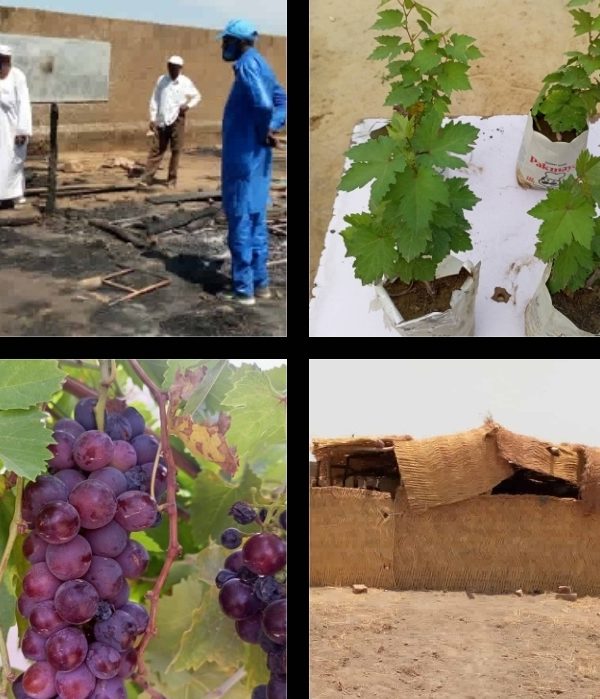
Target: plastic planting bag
<point x="542" y="163"/>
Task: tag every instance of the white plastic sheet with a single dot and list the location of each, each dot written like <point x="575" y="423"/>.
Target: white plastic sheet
<point x="503" y="237"/>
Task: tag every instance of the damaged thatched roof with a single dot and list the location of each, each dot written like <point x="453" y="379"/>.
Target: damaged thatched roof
<point x="451" y="468"/>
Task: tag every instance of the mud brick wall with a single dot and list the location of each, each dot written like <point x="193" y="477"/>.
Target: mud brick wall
<point x="139" y="51"/>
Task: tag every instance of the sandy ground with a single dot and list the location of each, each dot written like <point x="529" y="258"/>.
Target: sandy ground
<point x="386" y="645"/>
<point x="42" y="265"/>
<point x="521" y="42"/>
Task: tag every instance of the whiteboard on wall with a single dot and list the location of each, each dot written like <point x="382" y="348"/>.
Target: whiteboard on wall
<point x="62" y="70"/>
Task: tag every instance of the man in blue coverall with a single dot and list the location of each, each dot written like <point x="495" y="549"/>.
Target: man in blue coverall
<point x="254" y="112"/>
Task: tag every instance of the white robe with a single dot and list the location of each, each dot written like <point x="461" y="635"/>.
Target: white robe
<point x="15" y="120"/>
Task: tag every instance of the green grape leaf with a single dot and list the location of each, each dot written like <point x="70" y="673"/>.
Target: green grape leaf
<point x="8" y="603"/>
<point x="371" y="245"/>
<point x="24" y="383"/>
<point x="563" y="110"/>
<point x="258" y="414"/>
<point x="24" y="442"/>
<point x="571" y="76"/>
<point x="588" y="168"/>
<point x="578" y="3"/>
<point x="460" y="195"/>
<point x="389" y="19"/>
<point x="209" y="562"/>
<point x="566" y="216"/>
<point x="583" y="21"/>
<point x="200" y="395"/>
<point x="427" y="57"/>
<point x="426" y="12"/>
<point x="452" y="75"/>
<point x="440" y="245"/>
<point x="460" y="239"/>
<point x="410" y="74"/>
<point x="400" y="127"/>
<point x="436" y="146"/>
<point x="571" y="267"/>
<point x="148" y="543"/>
<point x="460" y="47"/>
<point x="403" y="95"/>
<point x="380" y="159"/>
<point x="421" y="269"/>
<point x="211" y="637"/>
<point x="173" y="619"/>
<point x="256" y="666"/>
<point x="415" y="195"/>
<point x="211" y="501"/>
<point x="155" y="368"/>
<point x="390" y="47"/>
<point x="271" y="467"/>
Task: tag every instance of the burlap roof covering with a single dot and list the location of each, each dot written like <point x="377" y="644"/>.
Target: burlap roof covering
<point x="451" y="468"/>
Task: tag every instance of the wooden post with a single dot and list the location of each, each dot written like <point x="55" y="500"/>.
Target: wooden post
<point x="51" y="200"/>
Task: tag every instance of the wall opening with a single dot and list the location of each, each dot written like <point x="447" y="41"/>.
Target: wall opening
<point x="527" y="482"/>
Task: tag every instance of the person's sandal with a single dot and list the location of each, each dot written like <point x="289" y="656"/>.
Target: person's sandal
<point x="263" y="293"/>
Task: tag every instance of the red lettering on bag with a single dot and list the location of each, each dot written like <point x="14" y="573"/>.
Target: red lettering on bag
<point x="550" y="168"/>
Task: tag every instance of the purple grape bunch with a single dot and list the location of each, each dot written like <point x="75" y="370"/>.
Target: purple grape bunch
<point x="82" y="626"/>
<point x="252" y="591"/>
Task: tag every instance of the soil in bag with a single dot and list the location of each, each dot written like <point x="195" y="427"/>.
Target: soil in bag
<point x="414" y="301"/>
<point x="542" y="126"/>
<point x="581" y="308"/>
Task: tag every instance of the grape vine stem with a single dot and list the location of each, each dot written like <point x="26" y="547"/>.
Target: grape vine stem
<point x="174" y="549"/>
<point x="7" y="674"/>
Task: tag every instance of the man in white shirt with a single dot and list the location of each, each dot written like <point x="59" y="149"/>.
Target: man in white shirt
<point x="15" y="128"/>
<point x="173" y="95"/>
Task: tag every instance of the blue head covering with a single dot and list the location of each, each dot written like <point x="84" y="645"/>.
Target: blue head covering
<point x="239" y="29"/>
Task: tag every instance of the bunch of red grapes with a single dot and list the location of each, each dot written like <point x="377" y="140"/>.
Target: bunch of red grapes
<point x="82" y="626"/>
<point x="253" y="590"/>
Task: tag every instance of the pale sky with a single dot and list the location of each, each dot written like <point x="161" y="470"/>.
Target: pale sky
<point x="269" y="16"/>
<point x="551" y="399"/>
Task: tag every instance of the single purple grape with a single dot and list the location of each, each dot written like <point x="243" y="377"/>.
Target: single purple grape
<point x="118" y="427"/>
<point x="39" y="681"/>
<point x="234" y="561"/>
<point x="62" y="451"/>
<point x="146" y="446"/>
<point x="223" y="576"/>
<point x="93" y="450"/>
<point x="124" y="456"/>
<point x="274" y="621"/>
<point x="70" y="426"/>
<point x="265" y="553"/>
<point x="84" y="413"/>
<point x="34" y="548"/>
<point x="249" y="629"/>
<point x="237" y="599"/>
<point x="243" y="513"/>
<point x="231" y="538"/>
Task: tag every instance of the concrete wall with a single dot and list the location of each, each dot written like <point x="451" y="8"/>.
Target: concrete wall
<point x="139" y="51"/>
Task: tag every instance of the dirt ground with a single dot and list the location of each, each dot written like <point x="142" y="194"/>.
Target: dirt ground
<point x="42" y="265"/>
<point x="386" y="645"/>
<point x="521" y="42"/>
